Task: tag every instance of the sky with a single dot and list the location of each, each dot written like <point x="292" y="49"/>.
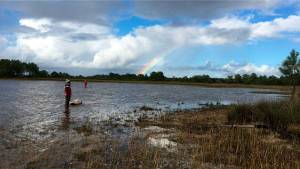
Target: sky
<point x="179" y="37"/>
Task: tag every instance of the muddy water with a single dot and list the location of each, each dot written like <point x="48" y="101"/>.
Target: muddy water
<point x="35" y="108"/>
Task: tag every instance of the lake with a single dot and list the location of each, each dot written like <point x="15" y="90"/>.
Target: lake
<point x="35" y="108"/>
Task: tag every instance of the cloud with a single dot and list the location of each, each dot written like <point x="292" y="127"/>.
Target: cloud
<point x="69" y="44"/>
<point x="107" y="12"/>
<point x="3" y="41"/>
<point x="231" y="22"/>
<point x="265" y="29"/>
<point x="41" y="25"/>
<point x="187" y="11"/>
<point x="230" y="68"/>
<point x="72" y="44"/>
<point x="76" y="11"/>
<point x="236" y="68"/>
<point x="63" y="44"/>
<point x="276" y="27"/>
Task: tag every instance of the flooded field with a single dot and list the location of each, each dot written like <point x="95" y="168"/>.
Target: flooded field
<point x="32" y="118"/>
<point x="35" y="108"/>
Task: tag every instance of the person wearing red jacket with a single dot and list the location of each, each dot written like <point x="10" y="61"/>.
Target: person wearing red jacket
<point x="68" y="93"/>
<point x="85" y="83"/>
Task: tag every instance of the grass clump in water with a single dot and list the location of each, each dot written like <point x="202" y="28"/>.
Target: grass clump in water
<point x="275" y="115"/>
<point x="146" y="108"/>
<point x="86" y="128"/>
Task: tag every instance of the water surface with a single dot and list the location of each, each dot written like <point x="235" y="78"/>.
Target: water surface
<point x="35" y="108"/>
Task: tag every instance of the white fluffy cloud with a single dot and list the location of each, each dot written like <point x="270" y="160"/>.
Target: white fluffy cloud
<point x="3" y="42"/>
<point x="230" y="68"/>
<point x="70" y="44"/>
<point x="265" y="29"/>
<point x="41" y="25"/>
<point x="277" y="26"/>
<point x="86" y="45"/>
<point x="236" y="68"/>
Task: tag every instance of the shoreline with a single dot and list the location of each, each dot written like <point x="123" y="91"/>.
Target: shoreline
<point x="210" y="85"/>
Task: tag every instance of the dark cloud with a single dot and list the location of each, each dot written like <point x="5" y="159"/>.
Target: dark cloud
<point x="190" y="10"/>
<point x="89" y="71"/>
<point x="236" y="35"/>
<point x="102" y="12"/>
<point x="106" y="12"/>
<point x="84" y="37"/>
<point x="207" y="66"/>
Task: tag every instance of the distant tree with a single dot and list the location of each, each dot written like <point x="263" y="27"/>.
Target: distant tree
<point x="201" y="78"/>
<point x="64" y="75"/>
<point x="141" y="77"/>
<point x="253" y="78"/>
<point x="229" y="79"/>
<point x="54" y="74"/>
<point x="11" y="68"/>
<point x="246" y="79"/>
<point x="43" y="73"/>
<point x="32" y="69"/>
<point x="157" y="76"/>
<point x="80" y="76"/>
<point x="273" y="80"/>
<point x="114" y="76"/>
<point x="238" y="78"/>
<point x="290" y="68"/>
<point x="129" y="76"/>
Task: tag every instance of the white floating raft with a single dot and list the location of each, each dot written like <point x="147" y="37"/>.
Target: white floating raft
<point x="76" y="102"/>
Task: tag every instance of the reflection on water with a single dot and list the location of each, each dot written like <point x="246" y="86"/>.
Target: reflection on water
<point x="66" y="120"/>
<point x="36" y="108"/>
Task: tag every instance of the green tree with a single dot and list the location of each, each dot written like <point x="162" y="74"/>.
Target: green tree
<point x="290" y="68"/>
<point x="32" y="69"/>
<point x="43" y="73"/>
<point x="54" y="74"/>
<point x="157" y="76"/>
<point x="238" y="78"/>
<point x="253" y="78"/>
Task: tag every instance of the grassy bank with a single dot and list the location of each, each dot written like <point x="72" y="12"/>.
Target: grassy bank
<point x="218" y="137"/>
<point x="207" y="138"/>
<point x="203" y="138"/>
<point x="216" y="85"/>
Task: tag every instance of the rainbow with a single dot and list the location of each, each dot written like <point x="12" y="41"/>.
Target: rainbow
<point x="153" y="62"/>
<point x="147" y="67"/>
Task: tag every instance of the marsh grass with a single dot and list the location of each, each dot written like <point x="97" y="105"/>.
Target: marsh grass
<point x="276" y="115"/>
<point x="242" y="148"/>
<point x="216" y="148"/>
<point x="205" y="145"/>
<point x="86" y="128"/>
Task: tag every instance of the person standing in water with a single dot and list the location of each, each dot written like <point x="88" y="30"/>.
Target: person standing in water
<point x="85" y="83"/>
<point x="68" y="94"/>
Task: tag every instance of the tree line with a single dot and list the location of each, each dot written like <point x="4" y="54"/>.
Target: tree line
<point x="15" y="68"/>
<point x="290" y="74"/>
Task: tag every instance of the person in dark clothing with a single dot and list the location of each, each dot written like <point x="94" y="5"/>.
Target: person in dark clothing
<point x="68" y="94"/>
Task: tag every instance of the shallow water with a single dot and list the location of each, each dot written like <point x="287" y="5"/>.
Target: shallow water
<point x="35" y="108"/>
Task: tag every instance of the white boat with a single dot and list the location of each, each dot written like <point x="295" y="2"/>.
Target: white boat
<point x="76" y="102"/>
